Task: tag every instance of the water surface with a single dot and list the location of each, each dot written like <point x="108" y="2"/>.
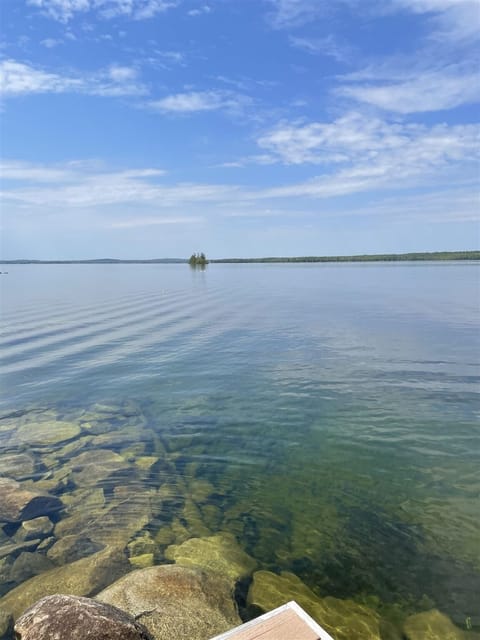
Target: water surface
<point x="331" y="408"/>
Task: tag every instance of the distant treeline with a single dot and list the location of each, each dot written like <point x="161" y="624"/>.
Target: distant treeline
<point x="99" y="261"/>
<point x="380" y="257"/>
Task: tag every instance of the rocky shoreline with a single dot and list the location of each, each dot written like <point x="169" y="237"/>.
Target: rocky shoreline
<point x="98" y="527"/>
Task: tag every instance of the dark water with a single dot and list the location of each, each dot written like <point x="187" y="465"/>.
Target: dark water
<point x="331" y="409"/>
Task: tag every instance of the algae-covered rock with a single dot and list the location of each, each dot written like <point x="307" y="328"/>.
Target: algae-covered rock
<point x="175" y="602"/>
<point x="343" y="619"/>
<point x="36" y="528"/>
<point x="220" y="553"/>
<point x="142" y="561"/>
<point x="433" y="625"/>
<point x="83" y="577"/>
<point x="18" y="504"/>
<point x="73" y="547"/>
<point x="6" y="625"/>
<point x="29" y="564"/>
<point x="94" y="467"/>
<point x="43" y="434"/>
<point x="17" y="465"/>
<point x="62" y="617"/>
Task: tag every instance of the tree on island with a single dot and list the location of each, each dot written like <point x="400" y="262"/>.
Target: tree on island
<point x="198" y="260"/>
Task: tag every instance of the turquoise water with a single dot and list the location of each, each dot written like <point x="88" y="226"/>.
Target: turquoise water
<point x="332" y="408"/>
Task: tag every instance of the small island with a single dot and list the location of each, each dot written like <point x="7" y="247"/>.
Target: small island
<point x="198" y="260"/>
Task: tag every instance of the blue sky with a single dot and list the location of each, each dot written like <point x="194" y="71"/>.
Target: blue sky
<point x="154" y="128"/>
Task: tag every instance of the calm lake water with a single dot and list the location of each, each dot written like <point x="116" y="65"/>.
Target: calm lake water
<point x="332" y="409"/>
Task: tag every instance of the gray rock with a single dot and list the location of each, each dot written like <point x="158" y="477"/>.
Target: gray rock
<point x="18" y="504"/>
<point x="73" y="618"/>
<point x="94" y="467"/>
<point x="176" y="602"/>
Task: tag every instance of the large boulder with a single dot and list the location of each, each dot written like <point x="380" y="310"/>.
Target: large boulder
<point x="343" y="619"/>
<point x="18" y="504"/>
<point x="83" y="578"/>
<point x="220" y="553"/>
<point x="175" y="602"/>
<point x="63" y="617"/>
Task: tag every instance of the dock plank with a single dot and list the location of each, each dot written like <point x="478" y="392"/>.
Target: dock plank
<point x="288" y="622"/>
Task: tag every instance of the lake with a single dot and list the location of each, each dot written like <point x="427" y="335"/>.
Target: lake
<point x="324" y="414"/>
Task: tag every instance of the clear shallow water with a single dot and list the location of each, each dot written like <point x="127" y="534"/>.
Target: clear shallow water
<point x="333" y="408"/>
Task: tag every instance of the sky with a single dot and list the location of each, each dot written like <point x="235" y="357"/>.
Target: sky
<point x="241" y="128"/>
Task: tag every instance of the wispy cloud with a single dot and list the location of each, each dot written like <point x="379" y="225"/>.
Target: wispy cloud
<point x="150" y="221"/>
<point x="360" y="154"/>
<point x="292" y="13"/>
<point x="50" y="43"/>
<point x="195" y="101"/>
<point x="327" y="46"/>
<point x="19" y="78"/>
<point x="65" y="10"/>
<point x="413" y="90"/>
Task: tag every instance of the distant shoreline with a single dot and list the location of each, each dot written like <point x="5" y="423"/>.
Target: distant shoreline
<point x="387" y="257"/>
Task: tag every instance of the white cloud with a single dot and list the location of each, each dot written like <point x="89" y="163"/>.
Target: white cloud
<point x="414" y="90"/>
<point x="194" y="101"/>
<point x="360" y="154"/>
<point x="200" y="11"/>
<point x="153" y="221"/>
<point x="291" y="13"/>
<point x="65" y="10"/>
<point x="50" y="43"/>
<point x="18" y="78"/>
<point x="86" y="188"/>
<point x="456" y="20"/>
<point x="327" y="46"/>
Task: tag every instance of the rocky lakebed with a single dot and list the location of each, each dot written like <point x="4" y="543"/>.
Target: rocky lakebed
<point x="106" y="526"/>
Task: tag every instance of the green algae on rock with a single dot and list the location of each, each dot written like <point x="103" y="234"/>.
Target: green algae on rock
<point x="343" y="619"/>
<point x="44" y="434"/>
<point x="175" y="602"/>
<point x="83" y="577"/>
<point x="220" y="553"/>
<point x="434" y="625"/>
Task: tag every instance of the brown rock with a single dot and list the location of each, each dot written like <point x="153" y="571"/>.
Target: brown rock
<point x="73" y="618"/>
<point x="17" y="504"/>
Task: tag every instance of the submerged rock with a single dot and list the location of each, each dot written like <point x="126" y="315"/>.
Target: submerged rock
<point x="17" y="465"/>
<point x="175" y="602"/>
<point x="6" y="625"/>
<point x="220" y="553"/>
<point x="18" y="504"/>
<point x="83" y="578"/>
<point x="63" y="617"/>
<point x="433" y="625"/>
<point x="95" y="467"/>
<point x="36" y="528"/>
<point x="343" y="619"/>
<point x="43" y="434"/>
